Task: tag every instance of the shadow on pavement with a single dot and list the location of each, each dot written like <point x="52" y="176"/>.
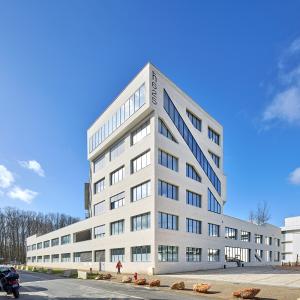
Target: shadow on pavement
<point x="32" y="288"/>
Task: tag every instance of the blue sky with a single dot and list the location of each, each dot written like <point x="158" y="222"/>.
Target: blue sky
<point x="63" y="62"/>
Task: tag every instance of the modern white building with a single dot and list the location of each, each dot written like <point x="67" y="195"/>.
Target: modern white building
<point x="291" y="240"/>
<point x="157" y="192"/>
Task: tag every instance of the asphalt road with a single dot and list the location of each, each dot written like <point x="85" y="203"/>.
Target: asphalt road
<point x="37" y="286"/>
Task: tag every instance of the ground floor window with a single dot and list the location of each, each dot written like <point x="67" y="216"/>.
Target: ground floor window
<point x="83" y="256"/>
<point x="100" y="256"/>
<point x="236" y="253"/>
<point x="117" y="254"/>
<point x="167" y="253"/>
<point x="269" y="256"/>
<point x="140" y="253"/>
<point x="55" y="258"/>
<point x="46" y="258"/>
<point x="66" y="257"/>
<point x="259" y="255"/>
<point x="213" y="254"/>
<point x="40" y="259"/>
<point x="193" y="254"/>
<point x="33" y="259"/>
<point x="276" y="256"/>
<point x="28" y="259"/>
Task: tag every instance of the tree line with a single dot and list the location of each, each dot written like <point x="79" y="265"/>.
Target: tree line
<point x="16" y="225"/>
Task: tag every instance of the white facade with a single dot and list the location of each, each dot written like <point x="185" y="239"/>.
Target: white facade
<point x="291" y="240"/>
<point x="154" y="153"/>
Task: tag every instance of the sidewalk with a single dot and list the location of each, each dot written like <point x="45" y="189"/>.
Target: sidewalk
<point x="219" y="289"/>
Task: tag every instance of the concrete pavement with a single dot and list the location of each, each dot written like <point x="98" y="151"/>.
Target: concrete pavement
<point x="38" y="286"/>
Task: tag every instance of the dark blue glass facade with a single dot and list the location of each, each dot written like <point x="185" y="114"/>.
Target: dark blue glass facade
<point x="191" y="142"/>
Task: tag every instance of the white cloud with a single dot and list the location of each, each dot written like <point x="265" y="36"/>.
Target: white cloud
<point x="6" y="177"/>
<point x="34" y="166"/>
<point x="285" y="104"/>
<point x="294" y="177"/>
<point x="295" y="46"/>
<point x="25" y="195"/>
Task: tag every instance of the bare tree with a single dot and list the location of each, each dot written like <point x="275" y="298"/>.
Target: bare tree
<point x="261" y="215"/>
<point x="16" y="225"/>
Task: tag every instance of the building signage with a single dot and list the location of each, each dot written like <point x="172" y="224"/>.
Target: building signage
<point x="154" y="88"/>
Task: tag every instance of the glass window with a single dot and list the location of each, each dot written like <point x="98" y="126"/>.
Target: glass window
<point x="140" y="133"/>
<point x="117" y="254"/>
<point x="33" y="247"/>
<point x="192" y="173"/>
<point x="213" y="255"/>
<point x="55" y="258"/>
<point x="191" y="142"/>
<point x="140" y="191"/>
<point x="65" y="257"/>
<point x="99" y="232"/>
<point x="258" y="239"/>
<point x="100" y="256"/>
<point x="162" y="129"/>
<point x="140" y="253"/>
<point x="167" y="160"/>
<point x="99" y="186"/>
<point x="99" y="163"/>
<point x="168" y="190"/>
<point x="117" y="200"/>
<point x="193" y="254"/>
<point x="213" y="229"/>
<point x="39" y="245"/>
<point x="54" y="242"/>
<point x="231" y="233"/>
<point x="46" y="258"/>
<point x="117" y="175"/>
<point x="268" y="256"/>
<point x="132" y="105"/>
<point x="99" y="208"/>
<point x="66" y="239"/>
<point x="46" y="244"/>
<point x="167" y="253"/>
<point x="117" y="227"/>
<point x="86" y="256"/>
<point x="193" y="226"/>
<point x="259" y="255"/>
<point x="167" y="221"/>
<point x="193" y="199"/>
<point x="195" y="120"/>
<point x="212" y="135"/>
<point x="140" y="222"/>
<point x="213" y="204"/>
<point x="245" y="236"/>
<point x="268" y="240"/>
<point x="117" y="149"/>
<point x="140" y="162"/>
<point x="215" y="158"/>
<point x="236" y="253"/>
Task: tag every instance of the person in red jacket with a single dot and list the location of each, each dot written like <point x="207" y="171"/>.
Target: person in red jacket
<point x="118" y="267"/>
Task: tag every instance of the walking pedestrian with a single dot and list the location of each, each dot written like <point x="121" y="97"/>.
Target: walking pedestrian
<point x="119" y="266"/>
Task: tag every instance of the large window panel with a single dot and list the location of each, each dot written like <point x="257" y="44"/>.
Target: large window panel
<point x="140" y="162"/>
<point x="127" y="109"/>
